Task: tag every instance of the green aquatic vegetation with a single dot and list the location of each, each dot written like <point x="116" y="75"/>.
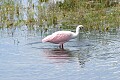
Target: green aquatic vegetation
<point x="93" y="14"/>
<point x="43" y="0"/>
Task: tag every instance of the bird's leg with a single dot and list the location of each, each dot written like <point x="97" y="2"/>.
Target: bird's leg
<point x="61" y="46"/>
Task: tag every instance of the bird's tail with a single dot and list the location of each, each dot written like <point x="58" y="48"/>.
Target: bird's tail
<point x="43" y="40"/>
<point x="47" y="39"/>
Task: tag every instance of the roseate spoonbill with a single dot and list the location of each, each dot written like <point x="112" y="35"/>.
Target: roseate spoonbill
<point x="60" y="37"/>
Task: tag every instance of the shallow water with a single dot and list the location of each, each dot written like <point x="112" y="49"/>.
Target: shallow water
<point x="92" y="56"/>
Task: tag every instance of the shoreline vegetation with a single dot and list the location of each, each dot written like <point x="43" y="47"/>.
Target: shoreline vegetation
<point x="93" y="14"/>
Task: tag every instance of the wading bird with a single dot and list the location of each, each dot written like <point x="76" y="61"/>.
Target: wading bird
<point x="60" y="37"/>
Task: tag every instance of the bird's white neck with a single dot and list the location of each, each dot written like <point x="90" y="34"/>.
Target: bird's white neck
<point x="77" y="31"/>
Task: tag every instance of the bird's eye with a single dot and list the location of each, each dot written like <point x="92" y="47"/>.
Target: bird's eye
<point x="81" y="28"/>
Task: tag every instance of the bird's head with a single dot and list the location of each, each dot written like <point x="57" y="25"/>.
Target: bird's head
<point x="80" y="27"/>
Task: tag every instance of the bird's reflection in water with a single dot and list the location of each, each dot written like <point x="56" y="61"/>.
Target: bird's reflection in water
<point x="58" y="55"/>
<point x="65" y="56"/>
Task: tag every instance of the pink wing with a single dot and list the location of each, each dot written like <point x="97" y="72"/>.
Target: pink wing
<point x="58" y="37"/>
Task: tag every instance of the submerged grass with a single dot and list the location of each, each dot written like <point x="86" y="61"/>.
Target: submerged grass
<point x="93" y="14"/>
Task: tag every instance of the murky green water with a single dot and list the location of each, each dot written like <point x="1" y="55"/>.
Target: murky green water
<point x="93" y="56"/>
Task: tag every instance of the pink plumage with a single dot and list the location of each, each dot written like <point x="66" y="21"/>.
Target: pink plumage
<point x="57" y="37"/>
<point x="60" y="37"/>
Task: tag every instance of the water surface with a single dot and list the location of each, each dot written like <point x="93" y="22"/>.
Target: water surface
<point x="92" y="56"/>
